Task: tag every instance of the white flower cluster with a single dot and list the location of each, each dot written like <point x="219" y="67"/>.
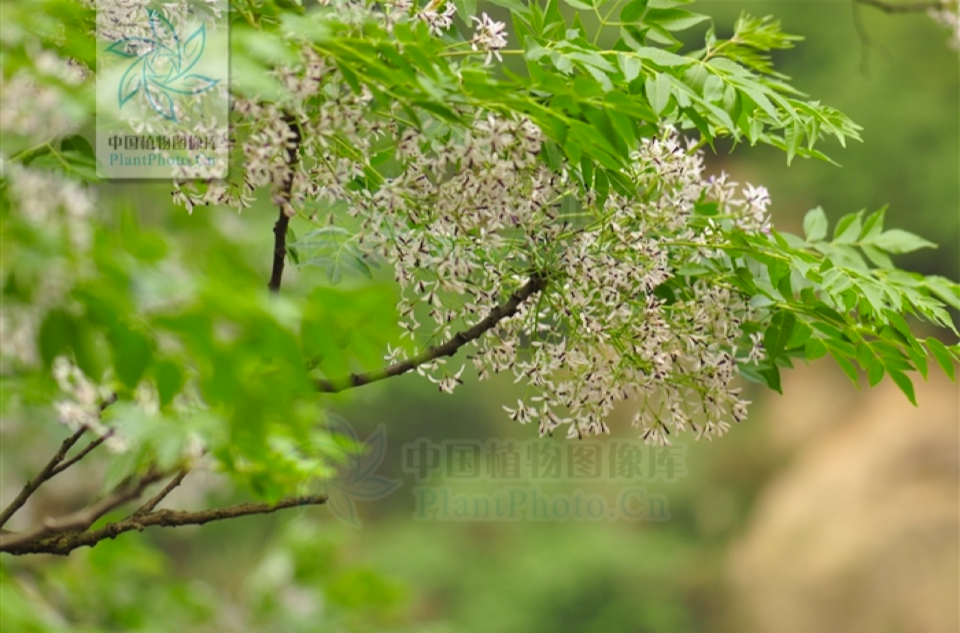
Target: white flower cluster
<point x="117" y="19"/>
<point x="83" y="403"/>
<point x="33" y="110"/>
<point x="489" y="36"/>
<point x="467" y="215"/>
<point x="436" y="18"/>
<point x="59" y="208"/>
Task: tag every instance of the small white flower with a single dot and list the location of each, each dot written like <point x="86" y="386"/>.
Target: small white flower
<point x="437" y="21"/>
<point x="489" y="36"/>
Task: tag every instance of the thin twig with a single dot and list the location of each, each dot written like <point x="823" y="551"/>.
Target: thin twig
<point x="56" y="465"/>
<point x="283" y="220"/>
<point x="46" y="473"/>
<point x="449" y="348"/>
<point x="63" y="544"/>
<point x="150" y="505"/>
<point x="86" y="451"/>
<point x="82" y="519"/>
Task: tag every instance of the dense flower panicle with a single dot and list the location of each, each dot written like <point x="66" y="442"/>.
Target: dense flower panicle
<point x="465" y="216"/>
<point x="61" y="209"/>
<point x="117" y="19"/>
<point x="36" y="111"/>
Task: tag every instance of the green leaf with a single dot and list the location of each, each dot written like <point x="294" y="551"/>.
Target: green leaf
<point x="673" y="19"/>
<point x="848" y="368"/>
<point x="132" y="355"/>
<point x="815" y="225"/>
<point x="57" y="334"/>
<point x="79" y="144"/>
<point x="848" y="229"/>
<point x="169" y="380"/>
<point x="778" y="333"/>
<point x="515" y="6"/>
<point x="901" y="326"/>
<point x="662" y="58"/>
<point x="633" y="11"/>
<point x="898" y="241"/>
<point x="120" y="467"/>
<point x="903" y="381"/>
<point x="877" y="256"/>
<point x="875" y="372"/>
<point x="630" y="66"/>
<point x="942" y="355"/>
<point x="771" y="377"/>
<point x="873" y="225"/>
<point x="814" y="348"/>
<point x="658" y="92"/>
<point x="466" y="9"/>
<point x="946" y="290"/>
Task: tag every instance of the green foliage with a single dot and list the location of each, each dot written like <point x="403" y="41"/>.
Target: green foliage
<point x="139" y="312"/>
<point x="297" y="584"/>
<point x="235" y="367"/>
<point x="572" y="87"/>
<point x="177" y="306"/>
<point x="844" y="297"/>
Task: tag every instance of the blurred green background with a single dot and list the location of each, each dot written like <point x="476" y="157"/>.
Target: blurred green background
<point x="827" y="511"/>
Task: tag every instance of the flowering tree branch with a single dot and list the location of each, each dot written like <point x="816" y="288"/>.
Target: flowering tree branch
<point x="283" y="202"/>
<point x="534" y="285"/>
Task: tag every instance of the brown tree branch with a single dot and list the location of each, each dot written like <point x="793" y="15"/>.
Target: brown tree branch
<point x="64" y="543"/>
<point x="56" y="465"/>
<point x="902" y="7"/>
<point x="536" y="283"/>
<point x="86" y="451"/>
<point x="160" y="496"/>
<point x="82" y="519"/>
<point x="46" y="473"/>
<point x="283" y="220"/>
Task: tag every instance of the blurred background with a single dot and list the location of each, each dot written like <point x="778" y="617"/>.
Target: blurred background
<point x="830" y="510"/>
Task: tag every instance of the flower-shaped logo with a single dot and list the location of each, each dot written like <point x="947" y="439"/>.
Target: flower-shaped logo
<point x="356" y="477"/>
<point x="161" y="66"/>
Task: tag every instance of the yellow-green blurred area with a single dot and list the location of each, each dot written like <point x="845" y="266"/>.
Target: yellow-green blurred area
<point x="830" y="510"/>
